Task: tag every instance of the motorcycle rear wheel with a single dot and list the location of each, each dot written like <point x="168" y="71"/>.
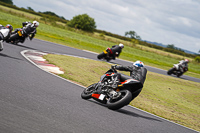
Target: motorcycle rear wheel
<point x="123" y="100"/>
<point x="87" y="92"/>
<point x="179" y="74"/>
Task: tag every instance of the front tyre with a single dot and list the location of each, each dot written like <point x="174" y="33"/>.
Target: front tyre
<point x="123" y="100"/>
<point x="170" y="71"/>
<point x="87" y="92"/>
<point x="13" y="37"/>
<point x="101" y="55"/>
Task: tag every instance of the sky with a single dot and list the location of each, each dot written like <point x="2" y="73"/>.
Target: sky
<point x="164" y="21"/>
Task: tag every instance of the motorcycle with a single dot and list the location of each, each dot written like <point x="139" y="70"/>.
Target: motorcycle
<point x="177" y="70"/>
<point x="106" y="55"/>
<point x="112" y="92"/>
<point x="18" y="36"/>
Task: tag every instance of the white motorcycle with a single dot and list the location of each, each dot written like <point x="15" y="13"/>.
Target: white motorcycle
<point x="177" y="70"/>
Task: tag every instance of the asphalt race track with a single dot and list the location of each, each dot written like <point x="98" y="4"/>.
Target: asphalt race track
<point x="34" y="101"/>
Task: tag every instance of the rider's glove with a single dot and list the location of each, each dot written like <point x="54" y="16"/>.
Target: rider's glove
<point x="113" y="66"/>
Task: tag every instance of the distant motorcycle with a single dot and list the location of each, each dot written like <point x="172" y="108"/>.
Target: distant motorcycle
<point x="106" y="55"/>
<point x="177" y="70"/>
<point x="111" y="92"/>
<point x="18" y="36"/>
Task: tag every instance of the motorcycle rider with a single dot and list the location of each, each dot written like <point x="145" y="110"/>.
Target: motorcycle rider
<point x="4" y="34"/>
<point x="183" y="65"/>
<point x="137" y="72"/>
<point x="29" y="29"/>
<point x="116" y="50"/>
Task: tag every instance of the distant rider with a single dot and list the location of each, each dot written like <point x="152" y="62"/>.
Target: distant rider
<point x="183" y="65"/>
<point x="116" y="50"/>
<point x="29" y="29"/>
<point x="4" y="34"/>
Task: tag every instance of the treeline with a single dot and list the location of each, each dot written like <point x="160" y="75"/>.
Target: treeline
<point x="170" y="49"/>
<point x="46" y="16"/>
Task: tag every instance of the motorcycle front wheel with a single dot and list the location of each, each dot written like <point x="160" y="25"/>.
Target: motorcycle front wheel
<point x="13" y="37"/>
<point x="170" y="71"/>
<point x="101" y="55"/>
<point x="124" y="99"/>
<point x="87" y="92"/>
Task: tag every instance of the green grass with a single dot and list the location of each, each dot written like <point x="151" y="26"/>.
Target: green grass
<point x="175" y="99"/>
<point x="82" y="40"/>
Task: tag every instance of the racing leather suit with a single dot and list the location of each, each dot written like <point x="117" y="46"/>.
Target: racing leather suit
<point x="137" y="73"/>
<point x="116" y="49"/>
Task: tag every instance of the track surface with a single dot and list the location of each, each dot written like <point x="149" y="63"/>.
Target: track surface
<point x="34" y="101"/>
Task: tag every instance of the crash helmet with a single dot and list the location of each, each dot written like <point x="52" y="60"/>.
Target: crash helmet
<point x="121" y="45"/>
<point x="138" y="64"/>
<point x="36" y="23"/>
<point x="9" y="27"/>
<point x="186" y="60"/>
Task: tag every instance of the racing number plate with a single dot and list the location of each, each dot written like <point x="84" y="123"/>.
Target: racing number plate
<point x="101" y="97"/>
<point x="19" y="33"/>
<point x="105" y="51"/>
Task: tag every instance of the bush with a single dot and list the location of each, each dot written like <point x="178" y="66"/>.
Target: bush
<point x="83" y="22"/>
<point x="197" y="59"/>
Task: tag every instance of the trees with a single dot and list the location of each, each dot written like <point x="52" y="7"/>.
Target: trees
<point x="197" y="59"/>
<point x="7" y="1"/>
<point x="171" y="46"/>
<point x="132" y="34"/>
<point x="83" y="22"/>
<point x="29" y="8"/>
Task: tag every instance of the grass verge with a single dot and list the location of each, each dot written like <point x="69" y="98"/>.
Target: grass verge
<point x="171" y="98"/>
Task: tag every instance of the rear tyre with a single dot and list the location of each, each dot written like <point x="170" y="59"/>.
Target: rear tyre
<point x="101" y="55"/>
<point x="87" y="92"/>
<point x="179" y="74"/>
<point x="123" y="100"/>
<point x="170" y="71"/>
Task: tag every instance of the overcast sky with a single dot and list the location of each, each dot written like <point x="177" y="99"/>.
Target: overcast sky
<point x="164" y="21"/>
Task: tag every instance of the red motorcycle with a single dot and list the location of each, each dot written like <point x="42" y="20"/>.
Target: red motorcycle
<point x="111" y="92"/>
<point x="106" y="55"/>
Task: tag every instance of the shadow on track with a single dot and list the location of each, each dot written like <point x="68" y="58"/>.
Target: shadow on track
<point x="126" y="112"/>
<point x="23" y="46"/>
<point x="4" y="55"/>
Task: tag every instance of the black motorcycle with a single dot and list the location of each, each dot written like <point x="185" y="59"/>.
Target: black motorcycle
<point x="177" y="70"/>
<point x="111" y="92"/>
<point x="106" y="55"/>
<point x="18" y="36"/>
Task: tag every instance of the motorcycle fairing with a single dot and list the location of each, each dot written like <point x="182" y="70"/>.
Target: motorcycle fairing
<point x="176" y="66"/>
<point x="110" y="50"/>
<point x="132" y="84"/>
<point x="130" y="80"/>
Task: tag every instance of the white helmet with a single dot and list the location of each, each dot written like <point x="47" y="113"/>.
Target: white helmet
<point x="121" y="45"/>
<point x="138" y="64"/>
<point x="36" y="23"/>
